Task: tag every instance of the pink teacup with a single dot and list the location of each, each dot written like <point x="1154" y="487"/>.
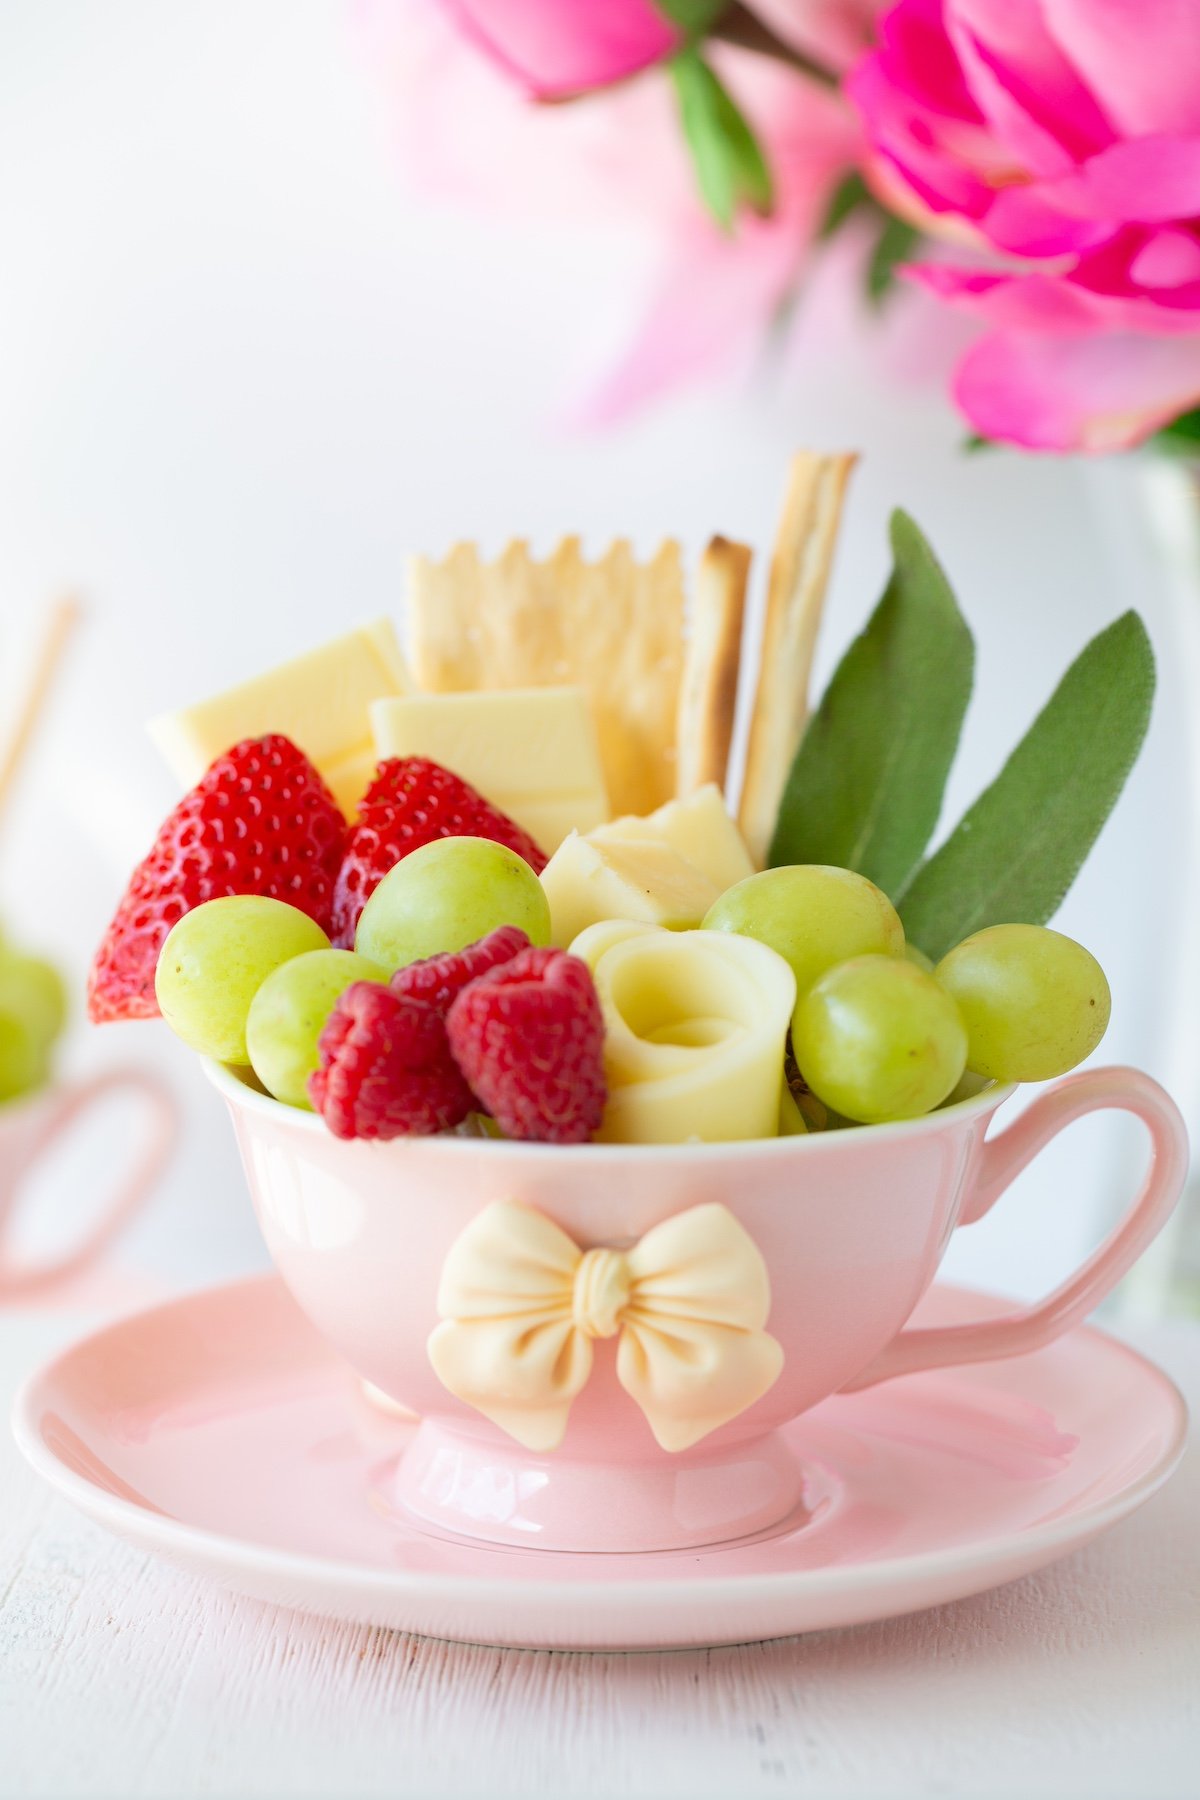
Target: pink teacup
<point x="851" y="1225"/>
<point x="33" y="1125"/>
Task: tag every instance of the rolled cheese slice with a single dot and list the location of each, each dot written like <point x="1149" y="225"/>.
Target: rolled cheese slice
<point x="695" y="1029"/>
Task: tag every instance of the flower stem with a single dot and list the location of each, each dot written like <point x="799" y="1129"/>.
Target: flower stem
<point x="739" y="26"/>
<point x="735" y="25"/>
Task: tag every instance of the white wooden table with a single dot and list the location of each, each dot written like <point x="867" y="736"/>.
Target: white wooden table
<point x="120" y="1676"/>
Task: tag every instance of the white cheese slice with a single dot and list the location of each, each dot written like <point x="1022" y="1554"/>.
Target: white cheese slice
<point x="532" y="752"/>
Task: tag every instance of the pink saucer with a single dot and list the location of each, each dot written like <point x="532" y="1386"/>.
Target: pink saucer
<point x="222" y="1432"/>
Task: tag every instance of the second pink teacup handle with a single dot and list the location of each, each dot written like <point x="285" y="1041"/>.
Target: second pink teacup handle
<point x="1015" y="1333"/>
<point x="154" y="1145"/>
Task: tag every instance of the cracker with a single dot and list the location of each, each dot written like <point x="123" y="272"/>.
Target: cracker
<point x="613" y="627"/>
<point x="800" y="565"/>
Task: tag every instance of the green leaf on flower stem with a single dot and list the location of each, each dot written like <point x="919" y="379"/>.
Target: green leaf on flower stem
<point x="693" y="17"/>
<point x="1017" y="850"/>
<point x="866" y="787"/>
<point x="730" y="166"/>
<point x="849" y="196"/>
<point x="895" y="244"/>
<point x="1181" y="436"/>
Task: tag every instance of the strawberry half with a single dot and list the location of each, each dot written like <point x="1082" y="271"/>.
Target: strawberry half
<point x="261" y="821"/>
<point x="411" y="802"/>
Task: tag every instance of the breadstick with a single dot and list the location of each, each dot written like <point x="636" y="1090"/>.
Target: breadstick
<point x="800" y="566"/>
<point x="709" y="688"/>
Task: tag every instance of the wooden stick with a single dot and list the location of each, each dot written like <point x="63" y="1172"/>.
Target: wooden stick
<point x="64" y="616"/>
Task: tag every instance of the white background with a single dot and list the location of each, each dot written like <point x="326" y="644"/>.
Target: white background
<point x="243" y="370"/>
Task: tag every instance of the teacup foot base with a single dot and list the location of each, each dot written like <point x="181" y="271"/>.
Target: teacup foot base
<point x="472" y="1487"/>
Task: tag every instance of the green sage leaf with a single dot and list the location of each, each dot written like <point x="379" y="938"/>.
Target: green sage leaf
<point x="1016" y="851"/>
<point x="866" y="787"/>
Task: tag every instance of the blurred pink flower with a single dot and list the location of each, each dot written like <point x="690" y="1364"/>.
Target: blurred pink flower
<point x="468" y="131"/>
<point x="556" y="47"/>
<point x="1062" y="136"/>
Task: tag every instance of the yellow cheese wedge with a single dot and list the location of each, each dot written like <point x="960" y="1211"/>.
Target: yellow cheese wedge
<point x="319" y="700"/>
<point x="698" y="829"/>
<point x="532" y="752"/>
<point x="587" y="881"/>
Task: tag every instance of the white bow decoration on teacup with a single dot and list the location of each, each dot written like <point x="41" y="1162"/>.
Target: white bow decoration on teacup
<point x="521" y="1304"/>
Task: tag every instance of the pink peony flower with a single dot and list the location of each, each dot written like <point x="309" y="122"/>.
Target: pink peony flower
<point x="557" y="47"/>
<point x="1058" y="143"/>
<point x="469" y="132"/>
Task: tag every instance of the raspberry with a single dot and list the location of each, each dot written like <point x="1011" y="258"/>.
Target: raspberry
<point x="411" y="802"/>
<point x="438" y="980"/>
<point x="386" y="1070"/>
<point x="260" y="822"/>
<point x="529" y="1037"/>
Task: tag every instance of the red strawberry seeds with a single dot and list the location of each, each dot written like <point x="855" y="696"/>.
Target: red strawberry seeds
<point x="261" y="821"/>
<point x="386" y="1070"/>
<point x="529" y="1037"/>
<point x="438" y="980"/>
<point x="411" y="802"/>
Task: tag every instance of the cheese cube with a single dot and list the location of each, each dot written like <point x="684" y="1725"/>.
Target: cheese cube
<point x="588" y="880"/>
<point x="530" y="751"/>
<point x="699" y="829"/>
<point x="319" y="700"/>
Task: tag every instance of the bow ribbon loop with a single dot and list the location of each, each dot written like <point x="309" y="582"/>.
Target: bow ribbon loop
<point x="521" y="1305"/>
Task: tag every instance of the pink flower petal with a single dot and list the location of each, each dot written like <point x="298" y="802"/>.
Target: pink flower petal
<point x="1141" y="58"/>
<point x="1014" y="302"/>
<point x="920" y="63"/>
<point x="1108" y="273"/>
<point x="1025" y="87"/>
<point x="716" y="294"/>
<point x="1059" y="306"/>
<point x="942" y="181"/>
<point x="712" y="301"/>
<point x="1143" y="181"/>
<point x="833" y="32"/>
<point x="555" y="47"/>
<point x="1092" y="394"/>
<point x="1169" y="259"/>
<point x="466" y="133"/>
<point x="1026" y="222"/>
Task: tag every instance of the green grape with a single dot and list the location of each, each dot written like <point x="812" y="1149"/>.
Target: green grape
<point x="918" y="958"/>
<point x="876" y="1039"/>
<point x="214" y="962"/>
<point x="447" y="895"/>
<point x="23" y="1061"/>
<point x="288" y="1015"/>
<point x="968" y="1086"/>
<point x="813" y="915"/>
<point x="1034" y="1002"/>
<point x="32" y="990"/>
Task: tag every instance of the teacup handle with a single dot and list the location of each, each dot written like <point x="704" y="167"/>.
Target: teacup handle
<point x="158" y="1137"/>
<point x="1032" y="1327"/>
